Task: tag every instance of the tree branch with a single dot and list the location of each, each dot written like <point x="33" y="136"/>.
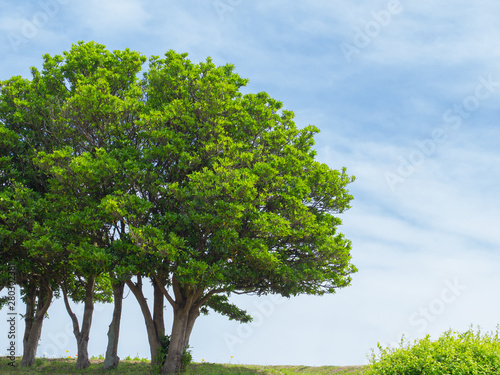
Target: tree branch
<point x="165" y="292"/>
<point x="76" y="326"/>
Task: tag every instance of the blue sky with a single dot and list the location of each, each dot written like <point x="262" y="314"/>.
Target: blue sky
<point x="406" y="95"/>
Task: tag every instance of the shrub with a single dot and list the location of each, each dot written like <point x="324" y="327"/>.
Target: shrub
<point x="453" y="353"/>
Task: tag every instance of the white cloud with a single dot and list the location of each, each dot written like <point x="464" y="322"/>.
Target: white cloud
<point x="428" y="33"/>
<point x="113" y="16"/>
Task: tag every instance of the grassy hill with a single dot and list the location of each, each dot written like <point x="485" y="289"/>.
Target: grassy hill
<point x="67" y="366"/>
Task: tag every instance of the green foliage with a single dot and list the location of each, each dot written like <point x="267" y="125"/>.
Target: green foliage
<point x="215" y="188"/>
<point x="221" y="304"/>
<point x="3" y="302"/>
<point x="176" y="176"/>
<point x="241" y="204"/>
<point x="453" y="353"/>
<point x="187" y="357"/>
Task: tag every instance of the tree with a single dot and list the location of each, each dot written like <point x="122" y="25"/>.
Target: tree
<point x="96" y="120"/>
<point x="182" y="180"/>
<point x="240" y="205"/>
<point x="99" y="122"/>
<point x="21" y="211"/>
<point x="25" y="128"/>
<point x="53" y="144"/>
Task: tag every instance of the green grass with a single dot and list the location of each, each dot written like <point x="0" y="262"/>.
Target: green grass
<point x="469" y="353"/>
<point x="140" y="366"/>
<point x="216" y="369"/>
<point x="304" y="370"/>
<point x="67" y="366"/>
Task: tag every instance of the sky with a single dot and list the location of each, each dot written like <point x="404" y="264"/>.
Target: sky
<point x="406" y="95"/>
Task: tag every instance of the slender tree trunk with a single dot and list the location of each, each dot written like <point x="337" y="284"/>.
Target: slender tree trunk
<point x="112" y="360"/>
<point x="29" y="317"/>
<point x="35" y="313"/>
<point x="158" y="314"/>
<point x="153" y="334"/>
<point x="82" y="336"/>
<point x="83" y="352"/>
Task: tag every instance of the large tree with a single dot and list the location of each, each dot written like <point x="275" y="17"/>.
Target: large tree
<point x="182" y="180"/>
<point x="240" y="205"/>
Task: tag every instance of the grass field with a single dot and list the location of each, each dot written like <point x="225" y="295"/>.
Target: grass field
<point x="67" y="366"/>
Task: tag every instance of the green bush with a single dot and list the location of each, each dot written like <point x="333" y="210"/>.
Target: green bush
<point x="187" y="358"/>
<point x="453" y="353"/>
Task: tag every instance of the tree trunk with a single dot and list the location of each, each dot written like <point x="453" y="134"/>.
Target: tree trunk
<point x="35" y="313"/>
<point x="112" y="360"/>
<point x="153" y="334"/>
<point x="83" y="353"/>
<point x="158" y="314"/>
<point x="193" y="315"/>
<point x="29" y="350"/>
<point x="82" y="336"/>
<point x="182" y="327"/>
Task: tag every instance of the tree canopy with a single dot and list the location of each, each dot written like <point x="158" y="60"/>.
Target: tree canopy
<point x="176" y="177"/>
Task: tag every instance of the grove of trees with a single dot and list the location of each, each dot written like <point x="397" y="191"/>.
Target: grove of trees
<point x="113" y="174"/>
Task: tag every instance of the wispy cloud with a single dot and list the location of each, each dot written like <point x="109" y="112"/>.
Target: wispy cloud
<point x="112" y="17"/>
